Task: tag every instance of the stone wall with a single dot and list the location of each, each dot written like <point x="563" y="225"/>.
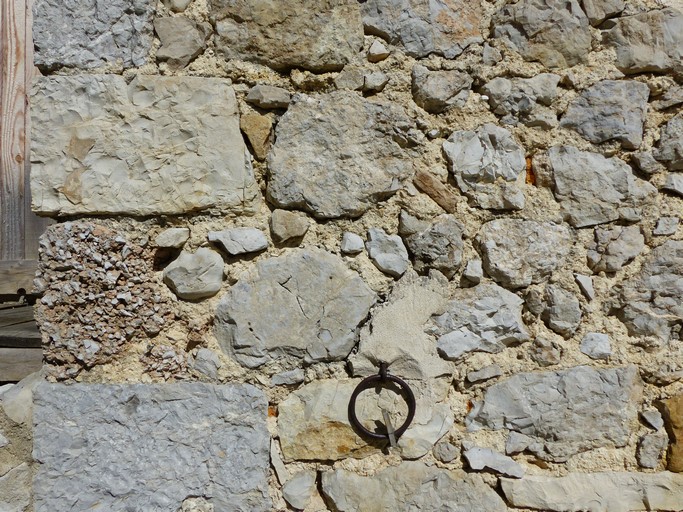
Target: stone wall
<point x="258" y="202"/>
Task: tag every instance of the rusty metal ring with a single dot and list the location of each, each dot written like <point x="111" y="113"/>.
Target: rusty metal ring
<point x="381" y="378"/>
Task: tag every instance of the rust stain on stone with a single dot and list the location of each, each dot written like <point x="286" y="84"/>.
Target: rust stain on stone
<point x="530" y="176"/>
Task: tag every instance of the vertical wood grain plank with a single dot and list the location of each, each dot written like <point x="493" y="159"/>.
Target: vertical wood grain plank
<point x="12" y="128"/>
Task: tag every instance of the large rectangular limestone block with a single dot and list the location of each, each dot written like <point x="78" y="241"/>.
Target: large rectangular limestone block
<point x="150" y="447"/>
<point x="159" y="145"/>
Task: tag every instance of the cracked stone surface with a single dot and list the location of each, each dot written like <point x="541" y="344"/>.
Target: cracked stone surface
<point x="87" y="34"/>
<point x="614" y="247"/>
<point x="337" y="154"/>
<point x="567" y="411"/>
<point x="670" y="151"/>
<point x="524" y="100"/>
<point x="99" y="145"/>
<point x="195" y="276"/>
<point x="305" y="305"/>
<point x="148" y="447"/>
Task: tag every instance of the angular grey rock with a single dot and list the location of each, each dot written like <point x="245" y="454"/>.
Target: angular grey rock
<point x="610" y="110"/>
<point x="646" y="162"/>
<point x="670" y="151"/>
<point x="553" y="32"/>
<point x="410" y="486"/>
<point x="485" y="318"/>
<point x="517" y="252"/>
<point x="289" y="378"/>
<point x="207" y="363"/>
<point x="650" y="450"/>
<point x="435" y="91"/>
<point x="374" y="82"/>
<point x="423" y="27"/>
<point x="307" y="34"/>
<point x="172" y="237"/>
<point x="17" y="402"/>
<point x="674" y="183"/>
<point x="445" y="451"/>
<point x="473" y="271"/>
<point x="524" y="100"/>
<point x="337" y="154"/>
<point x="484" y="458"/>
<point x="387" y="252"/>
<point x="286" y="226"/>
<point x="305" y="304"/>
<point x="650" y="303"/>
<point x="351" y="243"/>
<point x="608" y="491"/>
<point x="16" y="489"/>
<point x="181" y="40"/>
<point x="412" y="301"/>
<point x="268" y="96"/>
<point x="177" y="6"/>
<point x="672" y="96"/>
<point x="653" y="418"/>
<point x="86" y="34"/>
<point x="487" y="372"/>
<point x="593" y="189"/>
<point x="351" y="77"/>
<point x="174" y="141"/>
<point x="195" y="276"/>
<point x="586" y="285"/>
<point x="666" y="226"/>
<point x="423" y="434"/>
<point x="434" y="245"/>
<point x="377" y="51"/>
<point x="106" y="446"/>
<point x="488" y="166"/>
<point x="649" y="41"/>
<point x="239" y="240"/>
<point x="298" y="490"/>
<point x="599" y="10"/>
<point x="562" y="313"/>
<point x="614" y="247"/>
<point x="596" y="345"/>
<point x="567" y="412"/>
<point x="545" y="352"/>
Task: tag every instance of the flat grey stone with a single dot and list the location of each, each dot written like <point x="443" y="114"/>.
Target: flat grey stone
<point x="288" y="378"/>
<point x="435" y="91"/>
<point x="305" y="305"/>
<point x="524" y="100"/>
<point x="545" y="352"/>
<point x="586" y="285"/>
<point x="350" y="158"/>
<point x="299" y="489"/>
<point x="488" y="166"/>
<point x="445" y="452"/>
<point x="484" y="458"/>
<point x="307" y="34"/>
<point x="351" y="243"/>
<point x="387" y="252"/>
<point x="182" y="40"/>
<point x="608" y="491"/>
<point x="553" y="32"/>
<point x="174" y="141"/>
<point x="562" y="313"/>
<point x="423" y="27"/>
<point x="650" y="450"/>
<point x="423" y="434"/>
<point x="596" y="345"/>
<point x="374" y="82"/>
<point x="672" y="96"/>
<point x="17" y="402"/>
<point x="403" y="316"/>
<point x="195" y="276"/>
<point x="614" y="248"/>
<point x="473" y="271"/>
<point x="650" y="302"/>
<point x="487" y="372"/>
<point x="666" y="226"/>
<point x="351" y="78"/>
<point x="239" y="240"/>
<point x="517" y="443"/>
<point x="172" y="237"/>
<point x="567" y="411"/>
<point x="653" y="418"/>
<point x="434" y="245"/>
<point x="410" y="486"/>
<point x="649" y="41"/>
<point x="16" y="489"/>
<point x="286" y="226"/>
<point x="517" y="253"/>
<point x="646" y="162"/>
<point x="486" y="318"/>
<point x="121" y="447"/>
<point x="674" y="183"/>
<point x="207" y="363"/>
<point x="377" y="51"/>
<point x="86" y="34"/>
<point x="268" y="96"/>
<point x="592" y="189"/>
<point x="610" y="110"/>
<point x="599" y="10"/>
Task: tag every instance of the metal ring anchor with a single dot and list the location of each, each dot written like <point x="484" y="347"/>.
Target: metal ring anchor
<point x="382" y="378"/>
